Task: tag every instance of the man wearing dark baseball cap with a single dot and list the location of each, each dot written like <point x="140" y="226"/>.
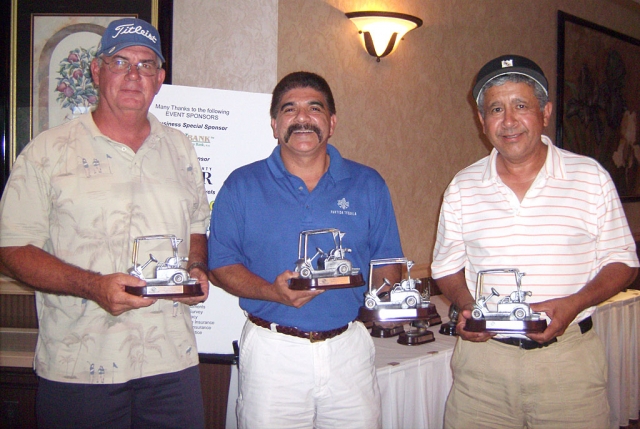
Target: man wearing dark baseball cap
<point x="84" y="191"/>
<point x="506" y="65"/>
<point x="556" y="217"/>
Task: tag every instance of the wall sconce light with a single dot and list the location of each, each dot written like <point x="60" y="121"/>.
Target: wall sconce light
<point x="381" y="31"/>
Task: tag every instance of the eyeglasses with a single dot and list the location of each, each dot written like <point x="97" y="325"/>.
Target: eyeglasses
<point x="122" y="66"/>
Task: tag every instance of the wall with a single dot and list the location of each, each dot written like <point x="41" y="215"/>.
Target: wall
<point x="225" y="44"/>
<point x="410" y="116"/>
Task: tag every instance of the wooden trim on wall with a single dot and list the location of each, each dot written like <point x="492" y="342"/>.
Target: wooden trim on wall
<point x="8" y="286"/>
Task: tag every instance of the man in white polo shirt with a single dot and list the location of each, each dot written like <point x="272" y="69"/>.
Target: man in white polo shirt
<point x="553" y="215"/>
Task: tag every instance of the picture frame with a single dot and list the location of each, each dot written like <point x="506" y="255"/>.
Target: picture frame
<point x="598" y="103"/>
<point x="45" y="35"/>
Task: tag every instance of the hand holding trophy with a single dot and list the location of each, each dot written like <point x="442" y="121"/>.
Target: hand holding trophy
<point x="512" y="314"/>
<point x="171" y="278"/>
<point x="324" y="270"/>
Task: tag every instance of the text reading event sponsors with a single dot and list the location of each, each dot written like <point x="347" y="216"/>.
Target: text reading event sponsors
<point x="172" y="112"/>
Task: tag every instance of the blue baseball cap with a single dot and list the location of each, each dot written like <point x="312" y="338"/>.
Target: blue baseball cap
<point x="126" y="32"/>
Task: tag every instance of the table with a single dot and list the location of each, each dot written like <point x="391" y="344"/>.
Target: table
<point x="617" y="323"/>
<point x="415" y="380"/>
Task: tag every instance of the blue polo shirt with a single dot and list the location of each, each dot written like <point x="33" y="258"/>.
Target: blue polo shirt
<point x="262" y="208"/>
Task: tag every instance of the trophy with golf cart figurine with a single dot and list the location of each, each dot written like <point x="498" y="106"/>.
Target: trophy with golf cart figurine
<point x="390" y="307"/>
<point x="512" y="315"/>
<point x="170" y="278"/>
<point x="324" y="270"/>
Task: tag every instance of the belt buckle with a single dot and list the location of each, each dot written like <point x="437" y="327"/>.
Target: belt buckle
<point x="313" y="339"/>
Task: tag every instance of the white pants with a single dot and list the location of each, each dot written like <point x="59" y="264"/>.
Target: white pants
<point x="288" y="382"/>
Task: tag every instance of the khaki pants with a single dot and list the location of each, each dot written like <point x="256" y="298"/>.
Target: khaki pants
<point x="502" y="386"/>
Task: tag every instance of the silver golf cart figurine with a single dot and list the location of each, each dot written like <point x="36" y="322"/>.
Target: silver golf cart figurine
<point x="401" y="302"/>
<point x="171" y="278"/>
<point x="324" y="270"/>
<point x="512" y="315"/>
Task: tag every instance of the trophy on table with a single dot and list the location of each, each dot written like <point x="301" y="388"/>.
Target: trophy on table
<point x="170" y="280"/>
<point x="324" y="270"/>
<point x="449" y="328"/>
<point x="391" y="306"/>
<point x="512" y="315"/>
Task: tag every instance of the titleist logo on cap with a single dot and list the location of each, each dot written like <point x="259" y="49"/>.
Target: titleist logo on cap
<point x="507" y="63"/>
<point x="129" y="29"/>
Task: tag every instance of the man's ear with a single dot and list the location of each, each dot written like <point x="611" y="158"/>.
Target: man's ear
<point x="162" y="73"/>
<point x="332" y="124"/>
<point x="482" y="122"/>
<point x="546" y="113"/>
<point x="95" y="72"/>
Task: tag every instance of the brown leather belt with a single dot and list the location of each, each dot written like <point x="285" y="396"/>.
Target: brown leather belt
<point x="585" y="326"/>
<point x="313" y="336"/>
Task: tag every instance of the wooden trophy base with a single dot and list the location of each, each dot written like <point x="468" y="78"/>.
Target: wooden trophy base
<point x="341" y="282"/>
<point x="380" y="332"/>
<point x="435" y="319"/>
<point x="415" y="337"/>
<point x="398" y="314"/>
<point x="506" y="326"/>
<point x="369" y="324"/>
<point x="448" y="328"/>
<point x="166" y="291"/>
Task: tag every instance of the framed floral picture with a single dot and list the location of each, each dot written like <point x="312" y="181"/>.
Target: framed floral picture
<point x="52" y="45"/>
<point x="599" y="99"/>
<point x="63" y="47"/>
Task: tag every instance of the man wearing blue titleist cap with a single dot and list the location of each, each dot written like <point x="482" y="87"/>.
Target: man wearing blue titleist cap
<point x="78" y="196"/>
<point x="554" y="215"/>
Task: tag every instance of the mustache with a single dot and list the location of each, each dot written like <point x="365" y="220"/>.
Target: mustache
<point x="302" y="127"/>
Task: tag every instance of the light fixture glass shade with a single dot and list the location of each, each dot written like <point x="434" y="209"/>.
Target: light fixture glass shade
<point x="381" y="31"/>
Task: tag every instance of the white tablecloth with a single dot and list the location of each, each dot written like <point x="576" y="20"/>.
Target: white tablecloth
<point x="415" y="380"/>
<point x="616" y="322"/>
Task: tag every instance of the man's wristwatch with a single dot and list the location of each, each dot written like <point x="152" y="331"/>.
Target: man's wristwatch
<point x="200" y="265"/>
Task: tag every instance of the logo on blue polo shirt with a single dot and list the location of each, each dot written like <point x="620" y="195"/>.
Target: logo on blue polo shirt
<point x="344" y="205"/>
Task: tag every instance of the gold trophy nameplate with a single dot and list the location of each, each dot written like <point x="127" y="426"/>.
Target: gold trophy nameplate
<point x="326" y="282"/>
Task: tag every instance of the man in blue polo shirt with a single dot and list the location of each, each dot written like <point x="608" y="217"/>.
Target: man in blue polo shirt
<point x="287" y="378"/>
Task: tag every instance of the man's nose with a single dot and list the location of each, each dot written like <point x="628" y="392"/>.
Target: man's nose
<point x="510" y="117"/>
<point x="133" y="73"/>
<point x="302" y="116"/>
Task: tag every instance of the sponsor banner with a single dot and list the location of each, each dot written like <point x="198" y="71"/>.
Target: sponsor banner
<point x="228" y="129"/>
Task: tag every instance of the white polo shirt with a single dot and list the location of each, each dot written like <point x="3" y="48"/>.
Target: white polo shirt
<point x="568" y="226"/>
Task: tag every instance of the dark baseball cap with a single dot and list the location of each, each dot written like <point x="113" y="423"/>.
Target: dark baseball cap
<point x="508" y="64"/>
<point x="127" y="32"/>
